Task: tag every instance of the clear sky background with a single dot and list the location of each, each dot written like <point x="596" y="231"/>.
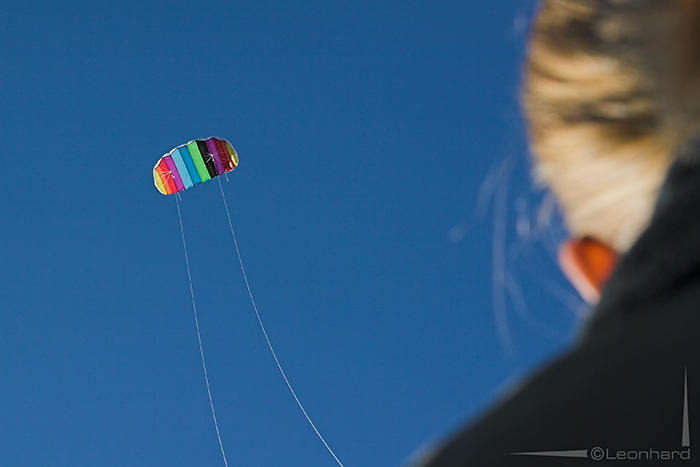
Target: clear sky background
<point x="366" y="132"/>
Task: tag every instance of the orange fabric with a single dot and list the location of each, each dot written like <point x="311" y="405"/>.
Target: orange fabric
<point x="165" y="177"/>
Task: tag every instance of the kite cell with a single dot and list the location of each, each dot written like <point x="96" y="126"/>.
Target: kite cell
<point x="193" y="163"/>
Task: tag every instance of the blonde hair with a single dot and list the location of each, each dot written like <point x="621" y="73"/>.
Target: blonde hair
<point x="611" y="90"/>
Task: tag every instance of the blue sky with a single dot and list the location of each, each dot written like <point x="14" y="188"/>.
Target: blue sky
<point x="365" y="132"/>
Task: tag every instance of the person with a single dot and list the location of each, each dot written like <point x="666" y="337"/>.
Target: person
<point x="630" y="386"/>
<point x="610" y="97"/>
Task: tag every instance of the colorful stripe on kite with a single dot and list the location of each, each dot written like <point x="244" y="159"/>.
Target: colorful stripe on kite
<point x="193" y="163"/>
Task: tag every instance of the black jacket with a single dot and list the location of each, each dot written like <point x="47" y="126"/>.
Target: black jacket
<point x="628" y="392"/>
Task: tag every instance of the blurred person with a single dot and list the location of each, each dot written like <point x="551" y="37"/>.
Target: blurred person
<point x="611" y="94"/>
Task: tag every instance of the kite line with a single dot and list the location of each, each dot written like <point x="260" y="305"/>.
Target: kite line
<point x="183" y="167"/>
<point x="267" y="339"/>
<point x="199" y="335"/>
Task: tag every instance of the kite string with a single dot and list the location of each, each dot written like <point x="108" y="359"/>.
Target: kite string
<point x="199" y="335"/>
<point x="262" y="327"/>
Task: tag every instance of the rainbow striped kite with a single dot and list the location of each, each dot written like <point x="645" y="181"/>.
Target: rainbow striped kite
<point x="193" y="163"/>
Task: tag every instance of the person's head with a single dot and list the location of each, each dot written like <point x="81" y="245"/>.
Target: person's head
<point x="611" y="91"/>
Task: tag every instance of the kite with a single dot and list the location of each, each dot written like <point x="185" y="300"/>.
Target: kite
<point x="188" y="165"/>
<point x="193" y="163"/>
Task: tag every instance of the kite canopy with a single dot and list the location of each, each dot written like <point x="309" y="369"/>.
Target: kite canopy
<point x="193" y="163"/>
